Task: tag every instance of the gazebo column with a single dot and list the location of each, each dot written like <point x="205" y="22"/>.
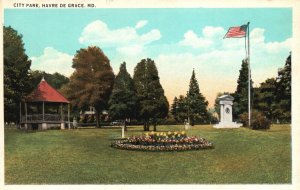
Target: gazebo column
<point x="62" y="124"/>
<point x="44" y="124"/>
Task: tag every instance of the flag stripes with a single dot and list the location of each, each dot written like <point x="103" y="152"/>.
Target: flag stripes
<point x="236" y="32"/>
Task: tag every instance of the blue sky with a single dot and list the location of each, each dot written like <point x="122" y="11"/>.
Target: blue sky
<point x="177" y="39"/>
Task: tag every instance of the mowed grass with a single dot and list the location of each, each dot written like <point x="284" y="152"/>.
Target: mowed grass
<point x="84" y="156"/>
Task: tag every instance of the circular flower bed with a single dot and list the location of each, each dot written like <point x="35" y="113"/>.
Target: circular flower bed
<point x="163" y="141"/>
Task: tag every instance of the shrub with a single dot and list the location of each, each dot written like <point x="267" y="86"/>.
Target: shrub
<point x="258" y="120"/>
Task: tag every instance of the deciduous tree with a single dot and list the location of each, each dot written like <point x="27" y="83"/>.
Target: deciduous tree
<point x="16" y="73"/>
<point x="92" y="81"/>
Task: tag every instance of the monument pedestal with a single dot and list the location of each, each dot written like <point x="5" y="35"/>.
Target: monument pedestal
<point x="227" y="125"/>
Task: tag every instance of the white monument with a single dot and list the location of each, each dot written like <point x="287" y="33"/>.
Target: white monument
<point x="226" y="102"/>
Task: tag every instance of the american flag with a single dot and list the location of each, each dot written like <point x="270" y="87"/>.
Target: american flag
<point x="236" y="32"/>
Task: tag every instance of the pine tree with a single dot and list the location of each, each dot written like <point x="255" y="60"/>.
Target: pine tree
<point x="92" y="81"/>
<point x="174" y="108"/>
<point x="240" y="104"/>
<point x="123" y="101"/>
<point x="16" y="73"/>
<point x="197" y="104"/>
<point x="152" y="101"/>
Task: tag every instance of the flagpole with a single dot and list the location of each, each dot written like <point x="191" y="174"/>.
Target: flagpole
<point x="249" y="76"/>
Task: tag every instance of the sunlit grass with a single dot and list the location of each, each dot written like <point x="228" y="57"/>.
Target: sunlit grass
<point x="84" y="156"/>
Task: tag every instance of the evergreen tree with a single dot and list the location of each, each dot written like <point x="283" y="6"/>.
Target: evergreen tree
<point x="152" y="101"/>
<point x="174" y="108"/>
<point x="264" y="98"/>
<point x="283" y="92"/>
<point x="16" y="73"/>
<point x="197" y="105"/>
<point x="240" y="104"/>
<point x="92" y="81"/>
<point x="123" y="101"/>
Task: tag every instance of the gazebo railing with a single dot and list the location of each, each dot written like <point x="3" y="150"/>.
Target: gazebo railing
<point x="46" y="117"/>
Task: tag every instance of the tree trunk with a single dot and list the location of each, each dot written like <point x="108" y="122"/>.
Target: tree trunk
<point x="146" y="125"/>
<point x="97" y="119"/>
<point x="154" y="127"/>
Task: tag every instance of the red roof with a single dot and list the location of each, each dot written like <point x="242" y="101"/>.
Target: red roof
<point x="45" y="93"/>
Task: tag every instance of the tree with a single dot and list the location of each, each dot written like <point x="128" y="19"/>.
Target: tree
<point x="240" y="104"/>
<point x="56" y="80"/>
<point x="174" y="108"/>
<point x="92" y="81"/>
<point x="264" y="98"/>
<point x="152" y="101"/>
<point x="197" y="104"/>
<point x="16" y="73"/>
<point x="123" y="100"/>
<point x="283" y="92"/>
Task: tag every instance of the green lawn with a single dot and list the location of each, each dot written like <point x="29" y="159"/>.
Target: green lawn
<point x="84" y="156"/>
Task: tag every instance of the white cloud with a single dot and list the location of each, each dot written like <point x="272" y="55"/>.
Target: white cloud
<point x="211" y="36"/>
<point x="141" y="24"/>
<point x="130" y="50"/>
<point x="98" y="33"/>
<point x="191" y="39"/>
<point x="211" y="32"/>
<point x="52" y="61"/>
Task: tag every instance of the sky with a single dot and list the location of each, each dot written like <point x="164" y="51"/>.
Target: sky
<point x="178" y="40"/>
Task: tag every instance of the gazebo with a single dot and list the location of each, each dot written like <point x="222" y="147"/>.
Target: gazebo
<point x="44" y="108"/>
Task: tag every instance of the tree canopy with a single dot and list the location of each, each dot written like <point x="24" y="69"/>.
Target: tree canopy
<point x="123" y="101"/>
<point x="197" y="104"/>
<point x="241" y="94"/>
<point x="92" y="81"/>
<point x="16" y="73"/>
<point x="56" y="80"/>
<point x="152" y="102"/>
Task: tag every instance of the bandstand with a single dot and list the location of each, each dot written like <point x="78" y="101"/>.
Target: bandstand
<point x="44" y="108"/>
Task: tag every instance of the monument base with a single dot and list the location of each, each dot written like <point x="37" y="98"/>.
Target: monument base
<point x="227" y="125"/>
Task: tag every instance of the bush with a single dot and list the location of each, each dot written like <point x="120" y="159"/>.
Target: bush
<point x="258" y="120"/>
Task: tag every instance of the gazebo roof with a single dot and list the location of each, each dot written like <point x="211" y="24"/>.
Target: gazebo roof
<point x="45" y="93"/>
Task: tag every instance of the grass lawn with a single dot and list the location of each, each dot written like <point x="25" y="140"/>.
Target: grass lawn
<point x="84" y="156"/>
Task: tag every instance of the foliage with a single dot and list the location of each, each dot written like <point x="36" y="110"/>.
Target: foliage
<point x="240" y="104"/>
<point x="179" y="109"/>
<point x="152" y="102"/>
<point x="273" y="97"/>
<point x="56" y="80"/>
<point x="92" y="81"/>
<point x="283" y="92"/>
<point x="264" y="98"/>
<point x="16" y="73"/>
<point x="123" y="101"/>
<point x="258" y="120"/>
<point x="197" y="105"/>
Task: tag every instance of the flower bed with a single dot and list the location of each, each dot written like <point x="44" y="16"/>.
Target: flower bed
<point x="163" y="141"/>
